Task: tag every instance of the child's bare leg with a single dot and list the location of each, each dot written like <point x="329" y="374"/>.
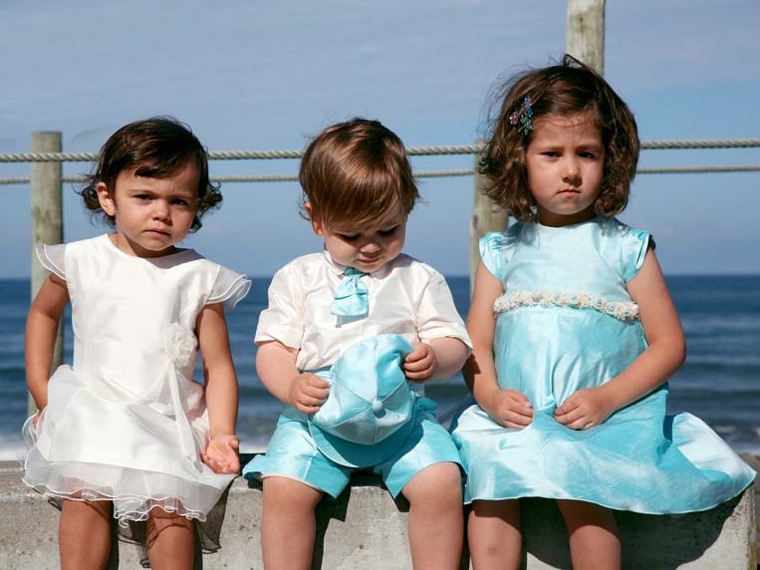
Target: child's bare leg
<point x="288" y="523"/>
<point x="84" y="534"/>
<point x="494" y="534"/>
<point x="170" y="541"/>
<point x="436" y="525"/>
<point x="594" y="539"/>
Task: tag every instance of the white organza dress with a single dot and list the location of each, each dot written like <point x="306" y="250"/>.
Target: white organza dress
<point x="126" y="422"/>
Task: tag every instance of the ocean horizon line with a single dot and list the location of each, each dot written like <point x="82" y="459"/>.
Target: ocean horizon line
<point x="465" y="275"/>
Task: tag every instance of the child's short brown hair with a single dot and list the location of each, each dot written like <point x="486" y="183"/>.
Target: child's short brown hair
<point x="355" y="172"/>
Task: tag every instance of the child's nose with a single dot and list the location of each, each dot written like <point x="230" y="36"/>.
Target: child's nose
<point x="161" y="209"/>
<point x="370" y="246"/>
<point x="571" y="171"/>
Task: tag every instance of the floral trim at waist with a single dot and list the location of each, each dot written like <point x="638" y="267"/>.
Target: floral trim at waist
<point x="515" y="299"/>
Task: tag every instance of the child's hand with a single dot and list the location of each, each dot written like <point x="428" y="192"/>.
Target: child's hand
<point x="420" y="364"/>
<point x="221" y="454"/>
<point x="510" y="408"/>
<point x="588" y="407"/>
<point x="308" y="392"/>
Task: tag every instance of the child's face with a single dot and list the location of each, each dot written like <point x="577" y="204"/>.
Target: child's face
<point x="366" y="248"/>
<point x="151" y="214"/>
<point x="565" y="162"/>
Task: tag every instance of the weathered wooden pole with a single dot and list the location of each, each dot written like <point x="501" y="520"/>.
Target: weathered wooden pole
<point x="585" y="32"/>
<point x="46" y="192"/>
<point x="486" y="217"/>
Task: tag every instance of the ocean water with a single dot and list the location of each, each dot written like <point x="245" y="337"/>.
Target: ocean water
<point x="720" y="381"/>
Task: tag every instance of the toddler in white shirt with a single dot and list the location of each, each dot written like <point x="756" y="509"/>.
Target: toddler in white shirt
<point x="348" y="338"/>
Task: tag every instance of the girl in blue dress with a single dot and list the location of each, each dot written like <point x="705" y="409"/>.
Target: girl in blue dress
<point x="574" y="336"/>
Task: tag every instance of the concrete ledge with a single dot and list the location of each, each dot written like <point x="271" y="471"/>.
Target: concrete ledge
<point x="364" y="528"/>
<point x="723" y="538"/>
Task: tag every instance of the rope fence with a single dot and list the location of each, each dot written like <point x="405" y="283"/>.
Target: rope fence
<point x="422" y="174"/>
<point x="472" y="149"/>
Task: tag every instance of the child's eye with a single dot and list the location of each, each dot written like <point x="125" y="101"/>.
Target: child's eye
<point x="142" y="197"/>
<point x="389" y="232"/>
<point x="181" y="202"/>
<point x="348" y="237"/>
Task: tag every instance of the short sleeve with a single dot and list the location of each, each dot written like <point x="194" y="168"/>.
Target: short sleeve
<point x="52" y="258"/>
<point x="229" y="288"/>
<point x="496" y="249"/>
<point x="437" y="315"/>
<point x="283" y="318"/>
<point x="635" y="245"/>
<point x="490" y="255"/>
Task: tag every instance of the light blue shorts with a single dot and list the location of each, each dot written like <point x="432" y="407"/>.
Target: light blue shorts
<point x="293" y="453"/>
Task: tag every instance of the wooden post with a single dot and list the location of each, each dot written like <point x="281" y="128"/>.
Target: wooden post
<point x="585" y="32"/>
<point x="46" y="192"/>
<point x="486" y="217"/>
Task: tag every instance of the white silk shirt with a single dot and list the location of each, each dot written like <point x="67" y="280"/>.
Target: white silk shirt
<point x="406" y="297"/>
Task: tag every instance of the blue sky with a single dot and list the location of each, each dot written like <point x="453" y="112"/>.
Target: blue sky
<point x="267" y="75"/>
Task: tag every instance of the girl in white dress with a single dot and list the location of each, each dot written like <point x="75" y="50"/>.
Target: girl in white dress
<point x="124" y="432"/>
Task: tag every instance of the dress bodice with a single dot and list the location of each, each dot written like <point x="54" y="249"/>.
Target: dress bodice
<point x="127" y="311"/>
<point x="596" y="258"/>
<point x="565" y="309"/>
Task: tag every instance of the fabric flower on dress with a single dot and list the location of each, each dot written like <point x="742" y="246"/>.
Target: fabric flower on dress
<point x="180" y="344"/>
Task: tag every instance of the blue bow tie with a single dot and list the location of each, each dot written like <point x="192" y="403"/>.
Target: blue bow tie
<point x="351" y="295"/>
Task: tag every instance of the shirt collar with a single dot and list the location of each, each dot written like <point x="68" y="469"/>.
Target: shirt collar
<point x="338" y="269"/>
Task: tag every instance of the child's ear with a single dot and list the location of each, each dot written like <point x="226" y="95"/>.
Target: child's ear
<point x="106" y="199"/>
<point x="316" y="226"/>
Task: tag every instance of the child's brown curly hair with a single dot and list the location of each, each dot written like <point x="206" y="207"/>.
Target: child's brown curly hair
<point x="564" y="89"/>
<point x="158" y="147"/>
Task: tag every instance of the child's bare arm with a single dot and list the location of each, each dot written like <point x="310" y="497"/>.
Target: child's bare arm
<point x="664" y="355"/>
<point x="221" y="454"/>
<point x="506" y="407"/>
<point x="41" y="331"/>
<point x="276" y="367"/>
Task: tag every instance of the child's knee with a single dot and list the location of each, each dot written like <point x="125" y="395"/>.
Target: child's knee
<point x="441" y="482"/>
<point x="288" y="494"/>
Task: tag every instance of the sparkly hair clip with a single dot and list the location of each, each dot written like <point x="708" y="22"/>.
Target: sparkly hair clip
<point x="522" y="117"/>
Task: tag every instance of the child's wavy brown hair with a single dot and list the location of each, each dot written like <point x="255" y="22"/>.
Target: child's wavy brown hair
<point x="565" y="89"/>
<point x="158" y="147"/>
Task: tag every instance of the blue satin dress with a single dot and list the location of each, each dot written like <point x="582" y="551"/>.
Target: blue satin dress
<point x="566" y="322"/>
